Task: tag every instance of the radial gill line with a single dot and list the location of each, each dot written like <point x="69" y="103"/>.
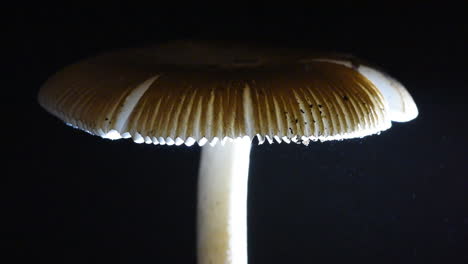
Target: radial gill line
<point x="174" y="124"/>
<point x="312" y="110"/>
<point x="317" y="113"/>
<point x="259" y="111"/>
<point x="80" y="107"/>
<point x="230" y="122"/>
<point x="343" y="116"/>
<point x="208" y="125"/>
<point x="135" y="123"/>
<point x="248" y="111"/>
<point x="328" y="110"/>
<point x="130" y="102"/>
<point x="112" y="109"/>
<point x="350" y="107"/>
<point x="272" y="128"/>
<point x="145" y="119"/>
<point x="153" y="116"/>
<point x="281" y="130"/>
<point x="168" y="112"/>
<point x="360" y="89"/>
<point x="218" y="127"/>
<point x="289" y="114"/>
<point x="183" y="130"/>
<point x="304" y="115"/>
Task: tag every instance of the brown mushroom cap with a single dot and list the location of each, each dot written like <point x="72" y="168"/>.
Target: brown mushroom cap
<point x="187" y="92"/>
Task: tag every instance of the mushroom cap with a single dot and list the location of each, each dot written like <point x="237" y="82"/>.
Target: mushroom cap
<point x="187" y="92"/>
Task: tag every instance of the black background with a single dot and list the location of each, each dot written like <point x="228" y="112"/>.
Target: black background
<point x="400" y="197"/>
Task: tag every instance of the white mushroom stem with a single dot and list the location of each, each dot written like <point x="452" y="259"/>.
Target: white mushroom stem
<point x="222" y="203"/>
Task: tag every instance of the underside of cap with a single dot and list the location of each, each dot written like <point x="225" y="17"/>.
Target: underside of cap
<point x="401" y="106"/>
<point x="217" y="95"/>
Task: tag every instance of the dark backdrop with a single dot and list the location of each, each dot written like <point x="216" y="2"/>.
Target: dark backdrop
<point x="400" y="197"/>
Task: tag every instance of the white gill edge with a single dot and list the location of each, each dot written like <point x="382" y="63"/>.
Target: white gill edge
<point x="248" y="110"/>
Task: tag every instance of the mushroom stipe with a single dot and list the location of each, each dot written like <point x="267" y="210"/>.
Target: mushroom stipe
<point x="224" y="95"/>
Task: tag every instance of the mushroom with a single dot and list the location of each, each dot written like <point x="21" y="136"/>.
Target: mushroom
<point x="221" y="96"/>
